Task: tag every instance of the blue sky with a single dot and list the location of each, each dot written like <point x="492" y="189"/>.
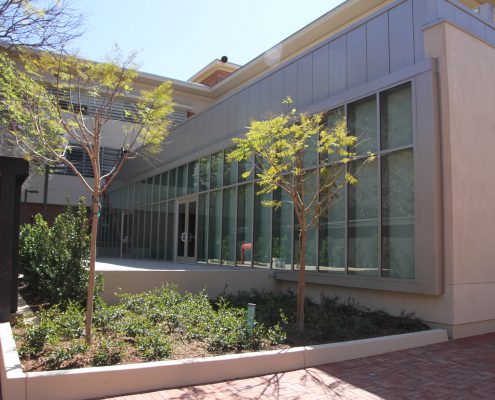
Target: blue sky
<point x="176" y="38"/>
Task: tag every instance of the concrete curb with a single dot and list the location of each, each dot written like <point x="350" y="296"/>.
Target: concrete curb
<point x="79" y="384"/>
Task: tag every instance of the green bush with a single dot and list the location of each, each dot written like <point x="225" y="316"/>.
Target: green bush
<point x="107" y="353"/>
<point x="153" y="345"/>
<point x="55" y="259"/>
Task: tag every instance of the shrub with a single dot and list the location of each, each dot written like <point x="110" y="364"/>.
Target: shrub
<point x="55" y="259"/>
<point x="107" y="353"/>
<point x="62" y="355"/>
<point x="153" y="345"/>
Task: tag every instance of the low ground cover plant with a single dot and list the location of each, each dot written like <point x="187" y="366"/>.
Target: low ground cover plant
<point x="165" y="324"/>
<point x="155" y="325"/>
<point x="332" y="319"/>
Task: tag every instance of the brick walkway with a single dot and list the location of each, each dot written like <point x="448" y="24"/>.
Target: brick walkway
<point x="461" y="369"/>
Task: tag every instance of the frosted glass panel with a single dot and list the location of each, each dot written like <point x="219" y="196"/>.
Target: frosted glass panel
<point x="363" y="220"/>
<point x="396" y="117"/>
<point x="398" y="215"/>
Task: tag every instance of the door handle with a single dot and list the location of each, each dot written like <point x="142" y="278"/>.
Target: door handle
<point x="183" y="236"/>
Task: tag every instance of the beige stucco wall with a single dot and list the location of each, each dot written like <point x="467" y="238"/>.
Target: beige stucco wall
<point x="215" y="282"/>
<point x="467" y="98"/>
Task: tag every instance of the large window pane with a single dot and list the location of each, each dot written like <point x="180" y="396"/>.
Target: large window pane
<point x="398" y="215"/>
<point x="262" y="230"/>
<point x="204" y="173"/>
<point x="332" y="230"/>
<point x="170" y="230"/>
<point x="362" y="120"/>
<point x="155" y="218"/>
<point x="142" y="219"/>
<point x="229" y="213"/>
<point x="193" y="177"/>
<point x="215" y="227"/>
<point x="203" y="205"/>
<point x="333" y="118"/>
<point x="310" y="182"/>
<point x="245" y="224"/>
<point x="216" y="175"/>
<point x="282" y="231"/>
<point x="245" y="166"/>
<point x="310" y="156"/>
<point x="396" y="117"/>
<point x="363" y="223"/>
<point x="135" y="219"/>
<point x="171" y="183"/>
<point x="164" y="186"/>
<point x="156" y="188"/>
<point x="162" y="230"/>
<point x="182" y="180"/>
<point x="229" y="170"/>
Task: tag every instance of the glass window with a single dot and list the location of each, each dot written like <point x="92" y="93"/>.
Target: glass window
<point x="162" y="230"/>
<point x="333" y="118"/>
<point x="155" y="218"/>
<point x="332" y="230"/>
<point x="203" y="205"/>
<point x="363" y="224"/>
<point x="204" y="173"/>
<point x="164" y="186"/>
<point x="142" y="218"/>
<point x="193" y="177"/>
<point x="229" y="170"/>
<point x="245" y="224"/>
<point x="310" y="182"/>
<point x="310" y="156"/>
<point x="216" y="175"/>
<point x="148" y="226"/>
<point x="244" y="166"/>
<point x="156" y="188"/>
<point x="170" y="230"/>
<point x="171" y="183"/>
<point x="282" y="231"/>
<point x="215" y="227"/>
<point x="262" y="230"/>
<point x="398" y="215"/>
<point x="228" y="225"/>
<point x="396" y="117"/>
<point x="362" y="120"/>
<point x="182" y="180"/>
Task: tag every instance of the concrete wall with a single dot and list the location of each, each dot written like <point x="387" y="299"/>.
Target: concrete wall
<point x="467" y="83"/>
<point x="215" y="282"/>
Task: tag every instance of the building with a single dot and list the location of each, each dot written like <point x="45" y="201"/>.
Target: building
<point x="412" y="77"/>
<point x="189" y="97"/>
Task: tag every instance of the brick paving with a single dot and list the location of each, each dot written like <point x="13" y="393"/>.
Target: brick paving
<point x="460" y="369"/>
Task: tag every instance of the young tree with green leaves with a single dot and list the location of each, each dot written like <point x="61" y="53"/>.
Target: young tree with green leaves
<point x="40" y="24"/>
<point x="57" y="103"/>
<point x="280" y="146"/>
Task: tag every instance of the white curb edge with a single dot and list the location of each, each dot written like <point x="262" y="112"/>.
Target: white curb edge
<point x="94" y="382"/>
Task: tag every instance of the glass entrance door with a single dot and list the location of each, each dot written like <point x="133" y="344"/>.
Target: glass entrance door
<point x="186" y="230"/>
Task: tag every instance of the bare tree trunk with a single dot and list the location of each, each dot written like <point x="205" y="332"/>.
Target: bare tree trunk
<point x="92" y="262"/>
<point x="300" y="282"/>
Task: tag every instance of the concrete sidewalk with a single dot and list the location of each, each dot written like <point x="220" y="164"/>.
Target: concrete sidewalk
<point x="460" y="369"/>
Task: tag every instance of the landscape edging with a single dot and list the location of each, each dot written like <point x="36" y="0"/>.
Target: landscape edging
<point x="93" y="382"/>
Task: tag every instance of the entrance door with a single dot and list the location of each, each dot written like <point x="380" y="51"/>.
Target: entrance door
<point x="186" y="230"/>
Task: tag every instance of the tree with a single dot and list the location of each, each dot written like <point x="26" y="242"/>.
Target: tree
<point x="46" y="24"/>
<point x="281" y="145"/>
<point x="61" y="103"/>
